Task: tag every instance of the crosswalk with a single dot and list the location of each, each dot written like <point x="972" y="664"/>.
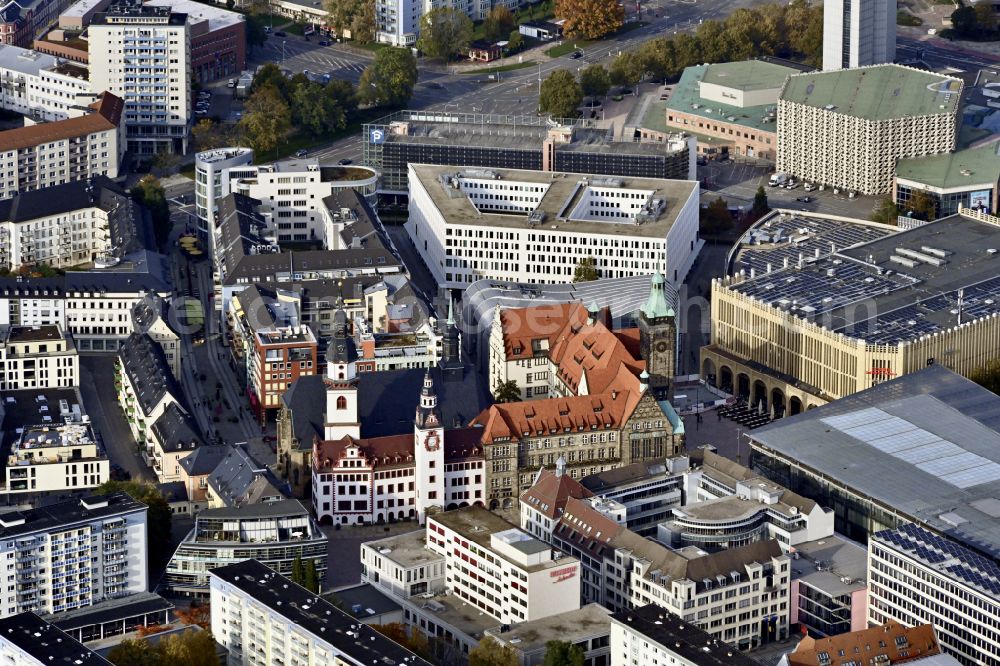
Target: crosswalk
<point x="314" y="58"/>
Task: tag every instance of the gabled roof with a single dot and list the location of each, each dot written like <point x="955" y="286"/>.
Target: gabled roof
<point x="176" y="430"/>
<point x="240" y="480"/>
<point x="393" y="450"/>
<point x="106" y="115"/>
<point x="204" y="459"/>
<point x="148" y="371"/>
<point x="896" y="642"/>
<point x="550" y="492"/>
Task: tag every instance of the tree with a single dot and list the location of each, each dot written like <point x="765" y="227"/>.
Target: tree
<point x="590" y="19"/>
<point x="986" y="17"/>
<point x="389" y="80"/>
<point x="270" y="75"/>
<point x="188" y="648"/>
<point x="345" y="95"/>
<point x="208" y="135"/>
<point x="363" y="24"/>
<point x="717" y="218"/>
<point x="135" y="652"/>
<point x="886" y="212"/>
<point x="586" y="270"/>
<point x="316" y="110"/>
<point x="687" y="51"/>
<point x="627" y="69"/>
<point x="507" y="391"/>
<point x="311" y="577"/>
<point x="197" y="613"/>
<point x="256" y="35"/>
<point x="341" y="13"/>
<point x="144" y="630"/>
<point x="158" y="515"/>
<point x="659" y="58"/>
<point x="298" y="571"/>
<point x="490" y="652"/>
<point x="965" y="22"/>
<point x="922" y="205"/>
<point x="594" y="81"/>
<point x="267" y="120"/>
<point x="498" y="23"/>
<point x="988" y="376"/>
<point x="445" y="33"/>
<point x="150" y="194"/>
<point x="760" y="206"/>
<point x="515" y="41"/>
<point x="560" y="95"/>
<point x="804" y="28"/>
<point x="414" y="641"/>
<point x="714" y="42"/>
<point x="561" y="653"/>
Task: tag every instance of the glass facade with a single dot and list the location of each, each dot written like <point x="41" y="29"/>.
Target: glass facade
<point x="947" y="204"/>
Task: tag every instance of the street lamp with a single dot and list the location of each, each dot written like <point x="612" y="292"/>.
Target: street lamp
<point x="283" y="42"/>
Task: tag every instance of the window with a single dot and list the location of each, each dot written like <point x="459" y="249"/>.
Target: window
<point x="341" y="402"/>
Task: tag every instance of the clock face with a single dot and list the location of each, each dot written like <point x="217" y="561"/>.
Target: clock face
<point x="432" y="442"/>
<point x="661" y="346"/>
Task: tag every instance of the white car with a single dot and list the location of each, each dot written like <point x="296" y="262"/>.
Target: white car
<point x="809" y="187"/>
<point x="792" y="185"/>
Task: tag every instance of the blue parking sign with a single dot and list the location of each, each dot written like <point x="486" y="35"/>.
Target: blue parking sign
<point x="376" y="136"/>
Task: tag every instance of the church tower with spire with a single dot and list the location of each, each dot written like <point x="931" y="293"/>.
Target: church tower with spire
<point x="451" y="355"/>
<point x="658" y="339"/>
<point x="342" y="418"/>
<point x="428" y="451"/>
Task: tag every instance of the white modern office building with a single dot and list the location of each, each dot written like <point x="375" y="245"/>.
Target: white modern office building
<point x="211" y="168"/>
<point x="142" y="54"/>
<point x="56" y="457"/>
<point x="535" y="227"/>
<point x="37" y="357"/>
<point x="397" y="22"/>
<point x="261" y="618"/>
<point x="845" y="129"/>
<point x="42" y="87"/>
<point x="857" y="33"/>
<point x="72" y="554"/>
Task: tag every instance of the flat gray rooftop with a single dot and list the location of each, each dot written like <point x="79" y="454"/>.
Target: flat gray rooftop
<point x="573" y="626"/>
<point x="457" y="208"/>
<point x="925" y="445"/>
<point x="896" y="288"/>
<point x="407" y="550"/>
<point x="834" y="564"/>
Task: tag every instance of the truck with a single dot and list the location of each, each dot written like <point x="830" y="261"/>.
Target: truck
<point x="778" y="180"/>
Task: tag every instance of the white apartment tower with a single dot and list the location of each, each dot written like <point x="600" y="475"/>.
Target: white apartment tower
<point x="142" y="54"/>
<point x="858" y="33"/>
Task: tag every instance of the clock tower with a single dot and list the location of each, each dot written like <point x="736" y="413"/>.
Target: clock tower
<point x="658" y="339"/>
<point x="428" y="451"/>
<point x="341" y="383"/>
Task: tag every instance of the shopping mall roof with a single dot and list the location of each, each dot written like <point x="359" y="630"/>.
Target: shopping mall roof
<point x="747" y="74"/>
<point x="966" y="168"/>
<point x="880" y="92"/>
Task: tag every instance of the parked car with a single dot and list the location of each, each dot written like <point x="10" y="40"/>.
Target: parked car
<point x="324" y="42"/>
<point x="301" y="152"/>
<point x="803" y="199"/>
<point x="344" y="162"/>
<point x="809" y="187"/>
<point x="280" y="33"/>
<point x="792" y="184"/>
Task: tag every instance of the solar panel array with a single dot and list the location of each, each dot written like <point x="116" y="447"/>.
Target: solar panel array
<point x="771" y="242"/>
<point x="932" y="549"/>
<point x="926" y="451"/>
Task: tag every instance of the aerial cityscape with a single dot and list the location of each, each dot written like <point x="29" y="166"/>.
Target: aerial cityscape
<point x="507" y="333"/>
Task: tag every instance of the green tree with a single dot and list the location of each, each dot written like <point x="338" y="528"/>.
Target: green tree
<point x="267" y="120"/>
<point x="188" y="648"/>
<point x="490" y="652"/>
<point x="341" y="13"/>
<point x="158" y="516"/>
<point x="515" y="42"/>
<point x="149" y="192"/>
<point x="594" y="81"/>
<point x="445" y="33"/>
<point x="714" y="42"/>
<point x="965" y="22"/>
<point x="498" y="23"/>
<point x="311" y="577"/>
<point x="561" y="653"/>
<point x="988" y="376"/>
<point x="255" y="32"/>
<point x="135" y="652"/>
<point x="922" y="205"/>
<point x="886" y="212"/>
<point x="687" y="51"/>
<point x="804" y="28"/>
<point x="345" y="95"/>
<point x="716" y="218"/>
<point x="560" y="95"/>
<point x="586" y="270"/>
<point x="208" y="135"/>
<point x="760" y="206"/>
<point x="627" y="69"/>
<point x="389" y="80"/>
<point x="507" y="391"/>
<point x="659" y="58"/>
<point x="363" y="24"/>
<point x="590" y="19"/>
<point x="298" y="571"/>
<point x="270" y="75"/>
<point x="316" y="110"/>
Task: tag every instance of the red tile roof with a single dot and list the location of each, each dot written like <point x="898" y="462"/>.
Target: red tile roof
<point x="107" y="116"/>
<point x="866" y="645"/>
<point x="392" y="450"/>
<point x="551" y="491"/>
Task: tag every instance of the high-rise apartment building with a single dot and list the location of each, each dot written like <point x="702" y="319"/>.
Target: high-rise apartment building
<point x="142" y="54"/>
<point x="858" y="33"/>
<point x="72" y="554"/>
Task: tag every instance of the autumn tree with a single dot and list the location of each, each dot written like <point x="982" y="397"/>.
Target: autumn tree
<point x="804" y="28"/>
<point x="659" y="58"/>
<point x="389" y="80"/>
<point x="413" y="640"/>
<point x="562" y="653"/>
<point x="144" y="630"/>
<point x="208" y="135"/>
<point x="594" y="81"/>
<point x="922" y="205"/>
<point x="188" y="648"/>
<point x="687" y="51"/>
<point x="886" y="212"/>
<point x="586" y="270"/>
<point x="490" y="652"/>
<point x="507" y="391"/>
<point x="590" y="19"/>
<point x="627" y="69"/>
<point x="445" y="33"/>
<point x="560" y="95"/>
<point x="199" y="614"/>
<point x="341" y="15"/>
<point x="498" y="23"/>
<point x="515" y="41"/>
<point x="158" y="516"/>
<point x="713" y="42"/>
<point x="363" y="24"/>
<point x="135" y="652"/>
<point x="267" y="120"/>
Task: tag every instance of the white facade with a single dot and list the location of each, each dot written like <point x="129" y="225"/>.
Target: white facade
<point x="210" y="167"/>
<point x="858" y="33"/>
<point x="911" y="589"/>
<point x="37" y="358"/>
<point x="143" y="55"/>
<point x="40" y="88"/>
<point x="397" y="22"/>
<point x="82" y="552"/>
<point x="513" y="577"/>
<point x="460" y="244"/>
<point x="66" y="239"/>
<point x="58" y="458"/>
